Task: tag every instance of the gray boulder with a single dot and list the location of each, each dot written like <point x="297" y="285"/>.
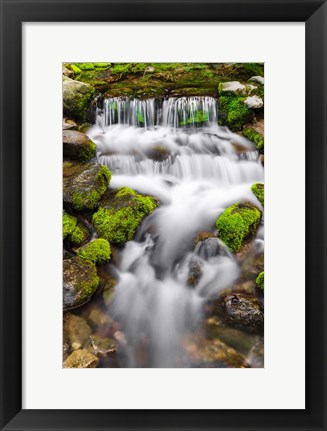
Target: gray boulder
<point x="76" y="98"/>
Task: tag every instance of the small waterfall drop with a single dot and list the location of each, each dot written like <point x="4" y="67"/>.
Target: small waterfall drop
<point x="172" y="149"/>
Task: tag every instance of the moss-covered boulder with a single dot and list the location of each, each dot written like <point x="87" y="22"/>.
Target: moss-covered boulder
<point x="76" y="98"/>
<point x="81" y="359"/>
<point x="78" y="146"/>
<point x="80" y="281"/>
<point x="236" y="223"/>
<point x="120" y="214"/>
<point x="84" y="184"/>
<point x="258" y="190"/>
<point x="76" y="331"/>
<point x="233" y="112"/>
<point x="260" y="280"/>
<point x="97" y="251"/>
<point x="254" y="136"/>
<point x="73" y="230"/>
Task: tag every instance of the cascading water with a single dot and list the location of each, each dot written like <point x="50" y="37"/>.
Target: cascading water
<point x="174" y="150"/>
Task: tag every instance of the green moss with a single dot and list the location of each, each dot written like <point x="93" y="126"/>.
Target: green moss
<point x="236" y="223"/>
<point x="98" y="251"/>
<point x="69" y="223"/>
<point x="235" y="112"/>
<point x="255" y="137"/>
<point x="260" y="280"/>
<point x="85" y="66"/>
<point x="75" y="69"/>
<point x="259" y="190"/>
<point x="123" y="191"/>
<point x="79" y="235"/>
<point x="118" y="225"/>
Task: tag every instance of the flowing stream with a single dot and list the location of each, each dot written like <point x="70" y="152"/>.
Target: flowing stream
<point x="174" y="150"/>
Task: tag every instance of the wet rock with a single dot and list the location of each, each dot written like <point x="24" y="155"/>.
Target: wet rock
<point x="232" y="87"/>
<point x="216" y="328"/>
<point x="210" y="247"/>
<point x="102" y="347"/>
<point x="244" y="312"/>
<point x="254" y="102"/>
<point x="78" y="146"/>
<point x="81" y="359"/>
<point x="76" y="331"/>
<point x="158" y="153"/>
<point x="195" y="271"/>
<point x="80" y="281"/>
<point x="109" y="290"/>
<point x="257" y="79"/>
<point x="76" y="98"/>
<point x="214" y="354"/>
<point x="256" y="355"/>
<point x="84" y="184"/>
<point x="98" y="318"/>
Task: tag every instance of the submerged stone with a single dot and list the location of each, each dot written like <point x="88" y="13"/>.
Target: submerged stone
<point x="76" y="331"/>
<point x="80" y="281"/>
<point x="84" y="184"/>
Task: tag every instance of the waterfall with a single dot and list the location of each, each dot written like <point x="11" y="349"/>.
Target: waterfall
<point x="172" y="149"/>
<point x="174" y="112"/>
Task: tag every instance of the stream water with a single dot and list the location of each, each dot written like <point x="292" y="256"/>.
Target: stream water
<point x="174" y="150"/>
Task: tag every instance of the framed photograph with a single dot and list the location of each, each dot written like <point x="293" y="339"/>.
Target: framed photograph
<point x="163" y="215"/>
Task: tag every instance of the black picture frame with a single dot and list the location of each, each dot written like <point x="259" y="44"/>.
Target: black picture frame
<point x="13" y="14"/>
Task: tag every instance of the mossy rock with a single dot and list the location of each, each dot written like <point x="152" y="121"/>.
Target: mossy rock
<point x="69" y="223"/>
<point x="84" y="184"/>
<point x="233" y="112"/>
<point x="120" y="214"/>
<point x="236" y="223"/>
<point x="97" y="251"/>
<point x="258" y="190"/>
<point x="76" y="98"/>
<point x="78" y="146"/>
<point x="101" y="346"/>
<point x="80" y="281"/>
<point x="255" y="137"/>
<point x="73" y="230"/>
<point x="81" y="359"/>
<point x="260" y="280"/>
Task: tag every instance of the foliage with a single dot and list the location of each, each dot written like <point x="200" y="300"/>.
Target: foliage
<point x="236" y="223"/>
<point x="260" y="280"/>
<point x="259" y="189"/>
<point x="255" y="137"/>
<point x="97" y="251"/>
